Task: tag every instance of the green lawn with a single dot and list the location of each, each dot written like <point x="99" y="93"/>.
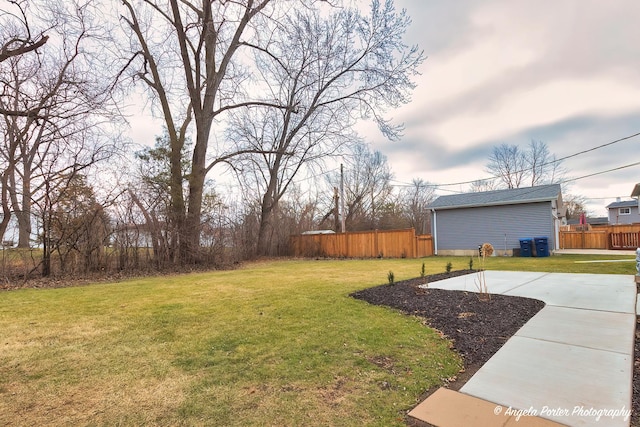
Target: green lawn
<point x="274" y="343"/>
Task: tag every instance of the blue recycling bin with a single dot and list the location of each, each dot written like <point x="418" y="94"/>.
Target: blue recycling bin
<point x="542" y="246"/>
<point x="526" y="247"/>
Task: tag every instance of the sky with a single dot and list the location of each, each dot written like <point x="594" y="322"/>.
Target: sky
<point x="566" y="73"/>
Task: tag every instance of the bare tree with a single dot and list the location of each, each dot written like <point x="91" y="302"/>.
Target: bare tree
<point x="483" y="185"/>
<point x="65" y="100"/>
<point x="415" y="200"/>
<point x="508" y="164"/>
<point x="16" y="36"/>
<point x="324" y="68"/>
<point x="187" y="55"/>
<point x="367" y="188"/>
<point x="542" y="166"/>
<point x="575" y="205"/>
<point x="514" y="167"/>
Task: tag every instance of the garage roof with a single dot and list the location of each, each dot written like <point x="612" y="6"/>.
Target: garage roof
<point x="541" y="193"/>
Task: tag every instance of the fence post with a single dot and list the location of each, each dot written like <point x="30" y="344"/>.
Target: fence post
<point x="375" y="244"/>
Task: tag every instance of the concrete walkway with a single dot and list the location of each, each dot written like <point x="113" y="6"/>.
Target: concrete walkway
<point x="593" y="252"/>
<point x="572" y="363"/>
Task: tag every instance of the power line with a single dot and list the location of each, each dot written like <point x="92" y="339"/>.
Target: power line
<point x="602" y="172"/>
<point x="551" y="162"/>
<point x="439" y="186"/>
<point x="596" y="148"/>
<point x="597" y="173"/>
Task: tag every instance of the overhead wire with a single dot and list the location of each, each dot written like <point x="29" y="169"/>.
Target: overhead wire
<point x="607" y="144"/>
<point x="440" y="185"/>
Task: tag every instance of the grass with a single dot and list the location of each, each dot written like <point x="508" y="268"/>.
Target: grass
<point x="275" y="343"/>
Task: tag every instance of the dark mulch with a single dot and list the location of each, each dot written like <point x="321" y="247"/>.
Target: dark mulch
<point x="478" y="329"/>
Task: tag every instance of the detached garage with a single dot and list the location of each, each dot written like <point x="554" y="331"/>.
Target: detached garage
<point x="462" y="222"/>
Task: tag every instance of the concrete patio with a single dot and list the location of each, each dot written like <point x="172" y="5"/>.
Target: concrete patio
<point x="571" y="364"/>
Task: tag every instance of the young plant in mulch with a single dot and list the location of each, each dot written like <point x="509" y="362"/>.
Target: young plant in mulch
<point x="448" y="267"/>
<point x="423" y="274"/>
<point x="481" y="281"/>
<point x="391" y="278"/>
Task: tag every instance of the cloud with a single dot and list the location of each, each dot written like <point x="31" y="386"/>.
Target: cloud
<point x="498" y="71"/>
<point x="440" y="26"/>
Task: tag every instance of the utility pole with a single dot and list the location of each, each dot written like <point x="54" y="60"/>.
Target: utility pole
<point x="336" y="209"/>
<point x="373" y="211"/>
<point x="343" y="216"/>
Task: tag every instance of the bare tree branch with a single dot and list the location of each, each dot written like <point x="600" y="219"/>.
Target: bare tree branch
<point x="23" y="46"/>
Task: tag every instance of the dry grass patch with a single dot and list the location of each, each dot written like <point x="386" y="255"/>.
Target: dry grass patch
<point x="120" y="401"/>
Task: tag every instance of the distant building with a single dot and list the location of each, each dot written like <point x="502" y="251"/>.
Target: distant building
<point x="590" y="220"/>
<point x="623" y="212"/>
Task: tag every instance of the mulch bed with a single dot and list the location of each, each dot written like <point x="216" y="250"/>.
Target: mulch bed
<point x="477" y="329"/>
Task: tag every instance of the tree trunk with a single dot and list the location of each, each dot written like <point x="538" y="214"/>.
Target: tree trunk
<point x="269" y="203"/>
<point x="6" y="210"/>
<point x="24" y="225"/>
<point x="46" y="233"/>
<point x="191" y="250"/>
<point x="177" y="212"/>
<point x="265" y="233"/>
<point x="24" y="213"/>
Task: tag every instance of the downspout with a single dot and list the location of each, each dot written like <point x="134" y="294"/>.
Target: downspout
<point x="435" y="232"/>
<point x="556" y="226"/>
<point x="556" y="223"/>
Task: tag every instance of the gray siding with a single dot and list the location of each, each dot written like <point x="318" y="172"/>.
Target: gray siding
<point x="615" y="218"/>
<point x="463" y="229"/>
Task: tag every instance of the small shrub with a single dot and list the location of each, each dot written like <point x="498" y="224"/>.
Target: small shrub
<point x="487" y="250"/>
<point x="423" y="270"/>
<point x="481" y="281"/>
<point x="471" y="263"/>
<point x="390" y="277"/>
<point x="449" y="267"/>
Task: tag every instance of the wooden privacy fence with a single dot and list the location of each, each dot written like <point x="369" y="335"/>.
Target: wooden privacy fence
<point x="363" y="244"/>
<point x="583" y="240"/>
<point x="605" y="237"/>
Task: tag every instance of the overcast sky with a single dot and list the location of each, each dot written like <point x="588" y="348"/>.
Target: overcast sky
<point x="565" y="72"/>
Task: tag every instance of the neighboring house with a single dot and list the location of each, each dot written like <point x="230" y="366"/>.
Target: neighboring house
<point x="596" y="220"/>
<point x="623" y="212"/>
<point x="462" y="222"/>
